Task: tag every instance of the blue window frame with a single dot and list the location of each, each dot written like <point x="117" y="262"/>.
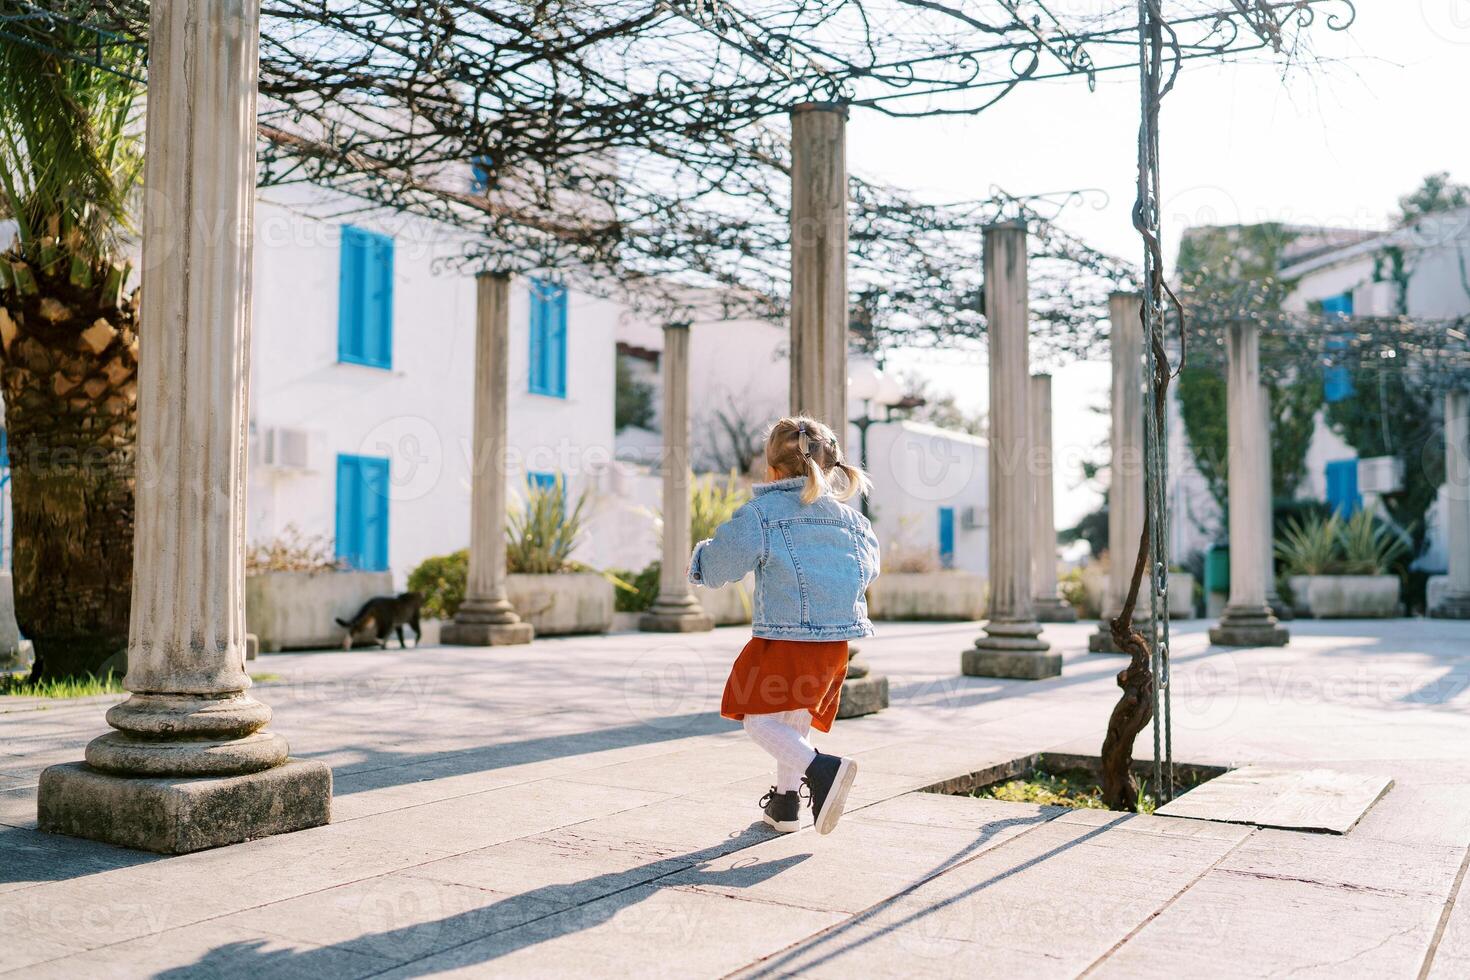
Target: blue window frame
<point x="362" y="512"/>
<point x="541" y="481"/>
<point x="548" y="339"/>
<point x="1337" y="381"/>
<point x="1342" y="487"/>
<point x="480" y="170"/>
<point x="946" y="537"/>
<point x="365" y="299"/>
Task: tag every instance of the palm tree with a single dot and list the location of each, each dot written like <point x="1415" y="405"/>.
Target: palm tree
<point x="70" y="154"/>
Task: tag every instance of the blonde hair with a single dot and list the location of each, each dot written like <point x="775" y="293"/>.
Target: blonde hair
<point x="803" y="446"/>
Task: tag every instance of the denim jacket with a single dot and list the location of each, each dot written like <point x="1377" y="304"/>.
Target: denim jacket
<point x="813" y="563"/>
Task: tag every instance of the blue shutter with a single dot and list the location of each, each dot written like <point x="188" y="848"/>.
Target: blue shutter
<point x="365" y="299"/>
<point x="480" y="168"/>
<point x="1337" y="380"/>
<point x="548" y="339"/>
<point x="542" y="481"/>
<point x="1342" y="487"/>
<point x="362" y="512"/>
<point x="946" y="537"/>
<point x="558" y="343"/>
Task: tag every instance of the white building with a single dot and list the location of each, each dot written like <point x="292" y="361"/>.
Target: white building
<point x="1418" y="271"/>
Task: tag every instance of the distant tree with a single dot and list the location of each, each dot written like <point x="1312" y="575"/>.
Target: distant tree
<point x="1435" y="195"/>
<point x="938" y="409"/>
<point x="632" y="400"/>
<point x="734" y="439"/>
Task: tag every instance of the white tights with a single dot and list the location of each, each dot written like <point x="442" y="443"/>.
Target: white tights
<point x="783" y="735"/>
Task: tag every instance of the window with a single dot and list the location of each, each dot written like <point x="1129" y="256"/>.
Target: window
<point x="480" y="169"/>
<point x="362" y="512"/>
<point x="365" y="299"/>
<point x="1337" y="381"/>
<point x="1342" y="487"/>
<point x="548" y="339"/>
<point x="541" y="481"/>
<point x="946" y="537"/>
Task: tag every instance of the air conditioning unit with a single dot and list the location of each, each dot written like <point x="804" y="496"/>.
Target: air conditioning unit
<point x="281" y="448"/>
<point x="973" y="518"/>
<point x="1380" y="474"/>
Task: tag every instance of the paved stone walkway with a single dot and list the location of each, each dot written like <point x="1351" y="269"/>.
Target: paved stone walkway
<point x="578" y="808"/>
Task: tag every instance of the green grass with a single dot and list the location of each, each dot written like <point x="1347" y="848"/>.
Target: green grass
<point x="80" y="687"/>
<point x="1074" y="788"/>
<point x="66" y="687"/>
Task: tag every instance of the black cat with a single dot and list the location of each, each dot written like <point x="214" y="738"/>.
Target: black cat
<point x="385" y="614"/>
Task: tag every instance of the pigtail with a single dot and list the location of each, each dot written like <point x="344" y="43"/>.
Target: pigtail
<point x="816" y="482"/>
<point x="854" y="481"/>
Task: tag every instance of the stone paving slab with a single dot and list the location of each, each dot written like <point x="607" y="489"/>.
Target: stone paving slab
<point x="481" y="831"/>
<point x="1308" y="799"/>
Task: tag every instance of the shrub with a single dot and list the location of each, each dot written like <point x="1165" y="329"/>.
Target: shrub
<point x="712" y="504"/>
<point x="441" y="581"/>
<point x="643" y="588"/>
<point x="1074" y="590"/>
<point x="541" y="535"/>
<point x="1369" y="547"/>
<point x="1310" y="545"/>
<point x="292" y="551"/>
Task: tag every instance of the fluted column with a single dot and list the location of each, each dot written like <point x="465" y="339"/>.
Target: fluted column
<point x="1247" y="621"/>
<point x="675" y="610"/>
<point x="1012" y="644"/>
<point x="486" y="617"/>
<point x="1050" y="607"/>
<point x="1455" y="603"/>
<point x="819" y="262"/>
<point x="189" y="714"/>
<point x="1125" y="468"/>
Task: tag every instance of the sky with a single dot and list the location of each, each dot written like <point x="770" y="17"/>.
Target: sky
<point x="1335" y="144"/>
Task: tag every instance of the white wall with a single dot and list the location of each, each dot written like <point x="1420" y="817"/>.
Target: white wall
<point x="418" y="413"/>
<point x="916" y="469"/>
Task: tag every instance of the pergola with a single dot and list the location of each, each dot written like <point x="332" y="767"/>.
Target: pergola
<point x="644" y="170"/>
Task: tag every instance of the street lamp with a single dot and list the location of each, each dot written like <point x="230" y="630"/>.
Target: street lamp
<point x="873" y="389"/>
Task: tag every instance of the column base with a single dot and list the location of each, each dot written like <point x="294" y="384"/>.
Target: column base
<point x="683" y="615"/>
<point x="1249" y="626"/>
<point x="1011" y="649"/>
<point x="1452" y="605"/>
<point x="863" y="692"/>
<point x="177" y="816"/>
<point x="1053" y="609"/>
<point x="1280" y="608"/>
<point x="458" y="634"/>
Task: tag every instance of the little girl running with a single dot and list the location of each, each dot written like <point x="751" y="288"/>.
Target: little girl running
<point x="814" y="558"/>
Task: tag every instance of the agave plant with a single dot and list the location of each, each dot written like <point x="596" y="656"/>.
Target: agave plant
<point x="1369" y="547"/>
<point x="540" y="537"/>
<point x="1311" y="546"/>
<point x="713" y="503"/>
<point x="70" y="155"/>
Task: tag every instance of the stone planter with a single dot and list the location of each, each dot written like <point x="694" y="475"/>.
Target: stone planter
<point x="558" y="605"/>
<point x="729" y="604"/>
<point x="1181" y="595"/>
<point x="298" y="610"/>
<point x="947" y="595"/>
<point x="1345" y="596"/>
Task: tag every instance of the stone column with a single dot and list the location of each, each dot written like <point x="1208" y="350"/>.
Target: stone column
<point x="1050" y="607"/>
<point x="1247" y="621"/>
<point x="819" y="263"/>
<point x="676" y="610"/>
<point x="1012" y="644"/>
<point x="1277" y="605"/>
<point x="486" y="617"/>
<point x="1125" y="469"/>
<point x="190" y="714"/>
<point x="1455" y="603"/>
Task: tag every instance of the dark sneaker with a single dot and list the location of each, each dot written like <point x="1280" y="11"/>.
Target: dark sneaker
<point x="828" y="779"/>
<point x="783" y="811"/>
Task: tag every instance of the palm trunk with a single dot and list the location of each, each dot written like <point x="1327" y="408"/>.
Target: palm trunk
<point x="69" y="377"/>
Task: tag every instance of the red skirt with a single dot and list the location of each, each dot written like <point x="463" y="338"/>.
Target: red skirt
<point x="784" y="675"/>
